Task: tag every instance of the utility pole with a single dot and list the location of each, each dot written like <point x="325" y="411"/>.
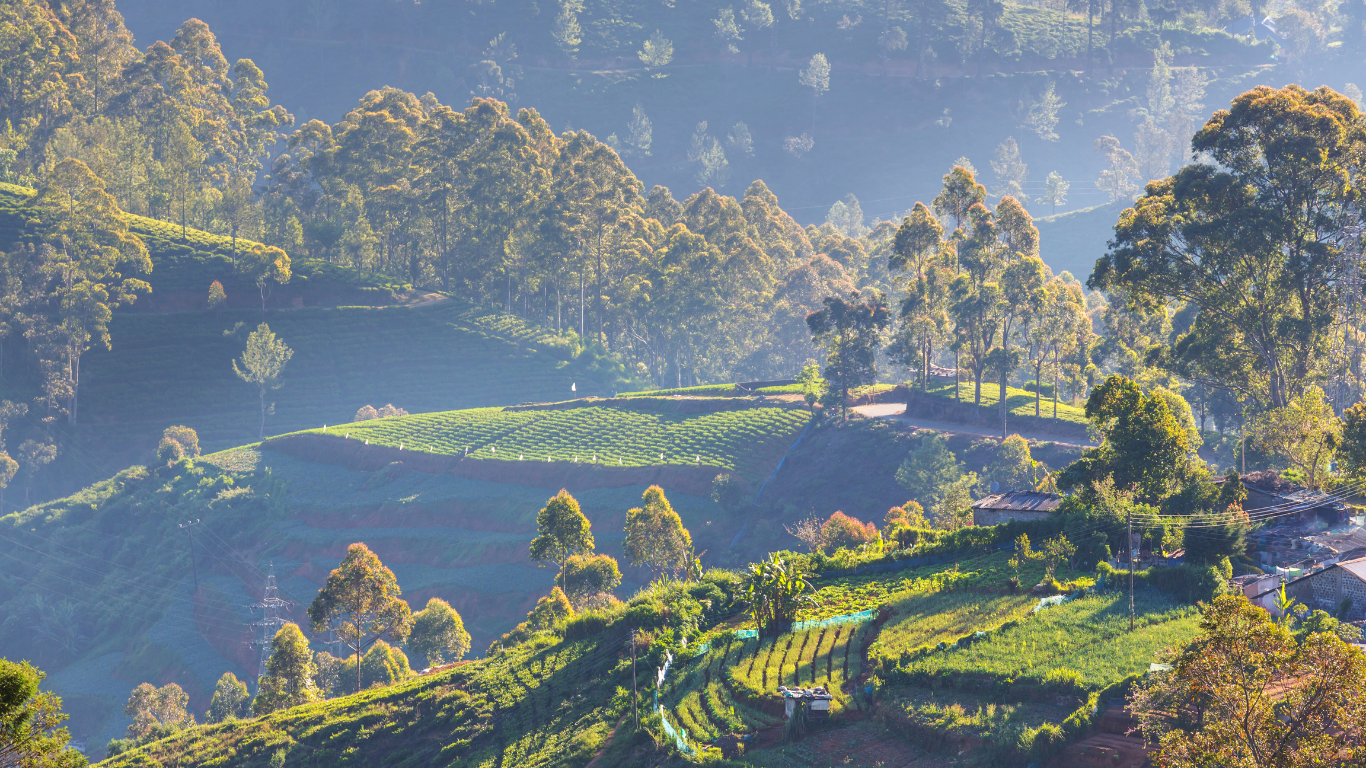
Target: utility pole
<point x="270" y="622"/>
<point x="194" y="568"/>
<point x="635" y="712"/>
<point x="1129" y="544"/>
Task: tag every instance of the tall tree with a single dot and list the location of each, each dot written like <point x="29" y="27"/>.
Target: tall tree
<point x="438" y="635"/>
<point x="230" y="701"/>
<point x="850" y="331"/>
<point x="961" y="192"/>
<point x="816" y="76"/>
<point x="31" y="732"/>
<point x="988" y="14"/>
<point x="1245" y="693"/>
<point x="1251" y="238"/>
<point x="87" y="249"/>
<point x="154" y="708"/>
<point x="289" y="673"/>
<point x="591" y="579"/>
<point x="919" y="248"/>
<point x="264" y="265"/>
<point x="1305" y="433"/>
<point x="263" y="362"/>
<point x="1144" y="447"/>
<point x="655" y="536"/>
<point x="562" y="531"/>
<point x="361" y="601"/>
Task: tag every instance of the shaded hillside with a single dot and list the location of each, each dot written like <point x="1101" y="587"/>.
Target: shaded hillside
<point x="358" y="338"/>
<point x="1073" y="241"/>
<point x="448" y="526"/>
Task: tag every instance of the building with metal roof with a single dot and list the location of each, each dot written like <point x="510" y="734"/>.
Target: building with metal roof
<point x="1014" y="505"/>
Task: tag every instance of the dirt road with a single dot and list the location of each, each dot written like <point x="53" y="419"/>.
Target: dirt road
<point x="895" y="411"/>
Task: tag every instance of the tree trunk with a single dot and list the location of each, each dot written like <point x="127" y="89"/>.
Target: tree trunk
<point x="1090" y="33"/>
<point x="1056" y="365"/>
<point x="957" y="376"/>
<point x="261" y="433"/>
<point x="1001" y="396"/>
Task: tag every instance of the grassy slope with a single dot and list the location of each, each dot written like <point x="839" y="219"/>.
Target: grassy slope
<point x="187" y="264"/>
<point x="748" y="441"/>
<point x="556" y="699"/>
<point x="116" y="551"/>
<point x="507" y="711"/>
<point x="1020" y="402"/>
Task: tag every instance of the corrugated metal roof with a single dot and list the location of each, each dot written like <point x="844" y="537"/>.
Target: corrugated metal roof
<point x="1355" y="567"/>
<point x="1022" y="501"/>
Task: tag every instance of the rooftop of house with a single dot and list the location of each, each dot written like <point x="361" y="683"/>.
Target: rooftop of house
<point x="1020" y="501"/>
<point x="1270" y="482"/>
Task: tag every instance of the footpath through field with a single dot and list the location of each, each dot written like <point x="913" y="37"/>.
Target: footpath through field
<point x="896" y="411"/>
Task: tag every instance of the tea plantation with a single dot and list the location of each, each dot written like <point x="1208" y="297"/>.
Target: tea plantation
<point x="748" y="441"/>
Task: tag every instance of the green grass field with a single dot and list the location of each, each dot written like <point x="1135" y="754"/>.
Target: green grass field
<point x="1089" y="636"/>
<point x="929" y="618"/>
<point x="748" y="441"/>
<point x="1020" y="401"/>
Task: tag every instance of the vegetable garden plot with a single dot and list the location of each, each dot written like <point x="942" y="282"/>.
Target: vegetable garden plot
<point x="1089" y="636"/>
<point x="929" y="618"/>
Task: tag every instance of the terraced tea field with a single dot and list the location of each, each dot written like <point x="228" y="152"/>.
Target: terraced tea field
<point x="731" y="688"/>
<point x="166" y="370"/>
<point x="748" y="441"/>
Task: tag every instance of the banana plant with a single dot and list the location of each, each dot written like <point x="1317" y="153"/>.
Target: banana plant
<point x="776" y="590"/>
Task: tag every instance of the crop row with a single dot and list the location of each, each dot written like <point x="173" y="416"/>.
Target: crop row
<point x="744" y="441"/>
<point x="1089" y="636"/>
<point x="828" y="656"/>
<point x="981" y="573"/>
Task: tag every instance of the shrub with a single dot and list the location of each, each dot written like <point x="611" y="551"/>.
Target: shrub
<point x="590" y="623"/>
<point x="727" y="490"/>
<point x="169" y="452"/>
<point x="186" y="437"/>
<point x="383" y="664"/>
<point x="1063" y="681"/>
<point x="844" y="532"/>
<point x="1191" y="583"/>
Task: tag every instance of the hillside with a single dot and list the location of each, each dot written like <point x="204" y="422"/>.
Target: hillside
<point x="555" y="699"/>
<point x="449" y="526"/>
<point x="358" y="338"/>
<point x="183" y="266"/>
<point x="1073" y="241"/>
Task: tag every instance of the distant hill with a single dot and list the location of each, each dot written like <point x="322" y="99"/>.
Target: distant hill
<point x="358" y="338"/>
<point x="1073" y="241"/>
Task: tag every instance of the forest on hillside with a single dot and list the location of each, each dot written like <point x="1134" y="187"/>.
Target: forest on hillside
<point x="491" y="205"/>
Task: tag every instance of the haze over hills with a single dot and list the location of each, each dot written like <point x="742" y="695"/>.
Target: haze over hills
<point x="636" y="384"/>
